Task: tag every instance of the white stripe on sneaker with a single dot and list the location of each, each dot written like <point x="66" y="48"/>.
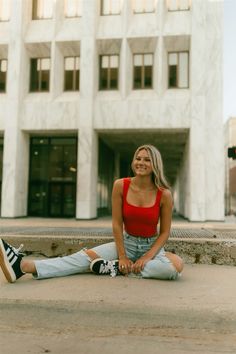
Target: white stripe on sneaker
<point x="11" y="256"/>
<point x="12" y="261"/>
<point x="9" y="250"/>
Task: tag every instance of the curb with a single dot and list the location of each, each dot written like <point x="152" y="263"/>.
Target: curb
<point x="192" y="250"/>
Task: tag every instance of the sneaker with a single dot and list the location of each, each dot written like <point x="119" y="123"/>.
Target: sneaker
<point x="10" y="259"/>
<point x="103" y="267"/>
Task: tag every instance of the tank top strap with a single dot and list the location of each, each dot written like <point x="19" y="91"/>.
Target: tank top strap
<point x="126" y="183"/>
<point x="159" y="195"/>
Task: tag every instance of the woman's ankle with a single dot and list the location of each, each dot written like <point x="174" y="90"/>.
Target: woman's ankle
<point x="27" y="266"/>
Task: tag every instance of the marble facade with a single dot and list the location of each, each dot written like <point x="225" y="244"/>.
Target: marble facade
<point x="199" y="187"/>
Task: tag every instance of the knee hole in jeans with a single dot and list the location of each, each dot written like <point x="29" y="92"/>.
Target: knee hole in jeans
<point x="176" y="261"/>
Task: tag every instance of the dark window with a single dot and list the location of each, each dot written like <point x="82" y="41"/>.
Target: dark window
<point x="42" y="9"/>
<point x="143" y="71"/>
<point x="143" y="6"/>
<point x="73" y="8"/>
<point x="4" y="10"/>
<point x="173" y="76"/>
<point x="39" y="74"/>
<point x="178" y="70"/>
<point x="178" y="5"/>
<point x="138" y="76"/>
<point x="110" y="7"/>
<point x="109" y="65"/>
<point x="72" y="66"/>
<point x="3" y="75"/>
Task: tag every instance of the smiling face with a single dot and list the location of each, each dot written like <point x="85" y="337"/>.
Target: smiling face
<point x="141" y="164"/>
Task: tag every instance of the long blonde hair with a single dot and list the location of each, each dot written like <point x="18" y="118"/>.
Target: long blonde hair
<point x="158" y="176"/>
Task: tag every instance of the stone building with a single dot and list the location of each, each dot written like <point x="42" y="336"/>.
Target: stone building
<point x="84" y="82"/>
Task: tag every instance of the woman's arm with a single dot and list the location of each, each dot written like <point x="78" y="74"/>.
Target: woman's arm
<point x="117" y="219"/>
<point x="117" y="226"/>
<point x="165" y="225"/>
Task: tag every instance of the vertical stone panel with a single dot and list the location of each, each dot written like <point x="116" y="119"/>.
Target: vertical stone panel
<point x="16" y="143"/>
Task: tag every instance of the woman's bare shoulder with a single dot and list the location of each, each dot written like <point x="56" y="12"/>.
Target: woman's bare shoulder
<point x="166" y="196"/>
<point x="118" y="184"/>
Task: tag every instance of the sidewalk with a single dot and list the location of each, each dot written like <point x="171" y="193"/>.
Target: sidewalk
<point x="207" y="243"/>
<point x="98" y="314"/>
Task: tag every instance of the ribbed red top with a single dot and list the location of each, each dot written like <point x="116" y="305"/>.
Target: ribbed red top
<point x="140" y="221"/>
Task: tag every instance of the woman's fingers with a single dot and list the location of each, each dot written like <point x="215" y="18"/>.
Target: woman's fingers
<point x="125" y="266"/>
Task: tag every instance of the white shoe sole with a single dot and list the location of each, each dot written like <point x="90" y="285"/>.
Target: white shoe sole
<point x="5" y="265"/>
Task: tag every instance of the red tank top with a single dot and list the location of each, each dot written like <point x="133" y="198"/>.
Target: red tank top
<point x="140" y="221"/>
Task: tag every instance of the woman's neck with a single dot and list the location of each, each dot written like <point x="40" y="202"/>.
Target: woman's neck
<point x="143" y="182"/>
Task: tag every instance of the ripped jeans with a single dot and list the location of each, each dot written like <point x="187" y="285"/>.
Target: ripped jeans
<point x="160" y="267"/>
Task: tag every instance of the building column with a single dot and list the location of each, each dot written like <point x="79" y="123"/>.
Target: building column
<point x="86" y="206"/>
<point x="206" y="191"/>
<point x="214" y="152"/>
<point x="16" y="143"/>
<point x="196" y="169"/>
<point x="195" y="210"/>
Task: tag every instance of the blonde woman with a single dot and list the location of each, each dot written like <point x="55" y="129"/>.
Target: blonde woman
<point x="138" y="204"/>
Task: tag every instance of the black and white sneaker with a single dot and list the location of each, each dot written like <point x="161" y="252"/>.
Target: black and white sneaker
<point x="10" y="259"/>
<point x="103" y="267"/>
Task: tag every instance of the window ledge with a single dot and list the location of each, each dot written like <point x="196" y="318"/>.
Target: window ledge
<point x="142" y="94"/>
<point x="38" y="96"/>
<point x="177" y="91"/>
<point x="68" y="96"/>
<point x="109" y="94"/>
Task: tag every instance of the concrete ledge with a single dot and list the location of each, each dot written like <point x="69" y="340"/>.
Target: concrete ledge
<point x="202" y="251"/>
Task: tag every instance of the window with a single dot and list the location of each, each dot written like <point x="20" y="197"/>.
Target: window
<point x="143" y="6"/>
<point x="178" y="64"/>
<point x="72" y="66"/>
<point x="42" y="9"/>
<point x="111" y="7"/>
<point x="52" y="176"/>
<point x="73" y="8"/>
<point x="3" y="75"/>
<point x="143" y="64"/>
<point x="39" y="74"/>
<point x="178" y="5"/>
<point x="109" y="65"/>
<point x="4" y="10"/>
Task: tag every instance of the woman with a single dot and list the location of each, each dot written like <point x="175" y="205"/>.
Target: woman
<point x="137" y="205"/>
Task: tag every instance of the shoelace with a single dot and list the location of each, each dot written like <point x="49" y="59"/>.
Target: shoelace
<point x="108" y="268"/>
<point x="18" y="250"/>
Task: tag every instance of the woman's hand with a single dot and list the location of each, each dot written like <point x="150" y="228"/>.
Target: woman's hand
<point x="125" y="265"/>
<point x="140" y="264"/>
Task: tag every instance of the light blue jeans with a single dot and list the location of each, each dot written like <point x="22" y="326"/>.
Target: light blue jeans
<point x="160" y="267"/>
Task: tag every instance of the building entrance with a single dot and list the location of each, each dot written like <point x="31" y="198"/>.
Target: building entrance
<point x="52" y="182"/>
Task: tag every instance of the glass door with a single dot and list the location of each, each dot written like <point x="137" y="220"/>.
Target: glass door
<point x="52" y="183"/>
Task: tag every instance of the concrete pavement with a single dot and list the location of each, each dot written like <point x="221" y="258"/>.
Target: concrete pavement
<point x="98" y="314"/>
